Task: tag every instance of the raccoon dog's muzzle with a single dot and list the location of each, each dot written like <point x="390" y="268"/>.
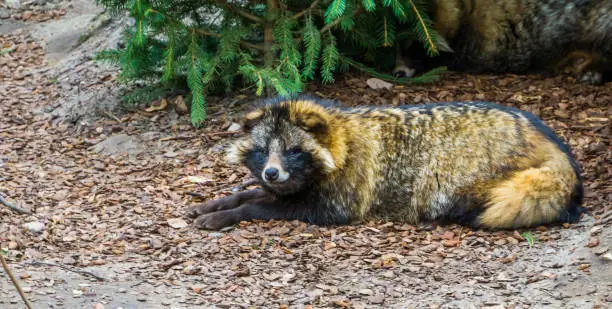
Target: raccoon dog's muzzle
<point x="273" y="172"/>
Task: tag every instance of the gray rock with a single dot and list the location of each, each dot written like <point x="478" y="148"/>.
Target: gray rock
<point x="235" y="127"/>
<point x="4" y="14"/>
<point x="120" y="143"/>
<point x="13" y="4"/>
<point x="34" y="226"/>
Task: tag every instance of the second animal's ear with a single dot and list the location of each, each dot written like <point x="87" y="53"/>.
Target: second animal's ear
<point x="312" y="122"/>
<point x="251" y="119"/>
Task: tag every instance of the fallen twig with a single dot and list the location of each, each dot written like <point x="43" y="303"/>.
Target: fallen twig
<point x="224" y="133"/>
<point x="109" y="114"/>
<point x="64" y="267"/>
<point x="178" y="137"/>
<point x="13" y="207"/>
<point x="182" y="137"/>
<point x="15" y="282"/>
<point x="196" y="194"/>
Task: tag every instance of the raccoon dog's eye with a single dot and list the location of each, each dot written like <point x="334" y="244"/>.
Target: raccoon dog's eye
<point x="294" y="151"/>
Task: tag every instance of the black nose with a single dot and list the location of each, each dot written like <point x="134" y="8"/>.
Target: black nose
<point x="271" y="174"/>
<point x="399" y="74"/>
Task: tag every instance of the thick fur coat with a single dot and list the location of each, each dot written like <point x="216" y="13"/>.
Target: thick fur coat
<point x="474" y="163"/>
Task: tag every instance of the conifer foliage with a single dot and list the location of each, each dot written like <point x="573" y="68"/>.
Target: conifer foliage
<point x="273" y="46"/>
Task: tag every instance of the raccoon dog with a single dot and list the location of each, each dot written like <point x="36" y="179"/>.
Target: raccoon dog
<point x="518" y="36"/>
<point x="473" y="163"/>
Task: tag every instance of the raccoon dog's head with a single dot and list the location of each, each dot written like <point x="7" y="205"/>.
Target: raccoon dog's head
<point x="288" y="146"/>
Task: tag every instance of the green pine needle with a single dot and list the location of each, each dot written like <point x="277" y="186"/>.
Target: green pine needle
<point x="369" y="5"/>
<point x="529" y="237"/>
<point x="330" y="60"/>
<point x="312" y="41"/>
<point x="206" y="47"/>
<point x="335" y="10"/>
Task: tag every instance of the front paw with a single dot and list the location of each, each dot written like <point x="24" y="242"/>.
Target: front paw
<point x="227" y="202"/>
<point x="214" y="221"/>
<point x="195" y="211"/>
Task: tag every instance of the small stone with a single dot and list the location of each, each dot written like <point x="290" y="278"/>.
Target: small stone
<point x="600" y="250"/>
<point x="177" y="223"/>
<point x="166" y="302"/>
<point x="429" y="248"/>
<point x="69" y="260"/>
<point x="122" y="290"/>
<point x="4" y="14"/>
<point x="607" y="257"/>
<point x="215" y="234"/>
<point x="501" y="242"/>
<point x="593" y="242"/>
<point x="99" y="165"/>
<point x="512" y="240"/>
<point x="596" y="230"/>
<point x="314" y="293"/>
<point x="34" y="226"/>
<point x="376" y="299"/>
<point x="191" y="270"/>
<point x="156" y="243"/>
<point x="27" y="15"/>
<point x="388" y="274"/>
<point x="141" y="298"/>
<point x="376" y="83"/>
<point x="77" y="293"/>
<point x="366" y="292"/>
<point x="13" y="4"/>
<point x="234" y="127"/>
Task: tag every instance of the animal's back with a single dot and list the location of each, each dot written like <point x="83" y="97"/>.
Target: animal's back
<point x="479" y="163"/>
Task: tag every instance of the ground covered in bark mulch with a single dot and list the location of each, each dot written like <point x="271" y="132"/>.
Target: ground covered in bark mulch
<point x="108" y="198"/>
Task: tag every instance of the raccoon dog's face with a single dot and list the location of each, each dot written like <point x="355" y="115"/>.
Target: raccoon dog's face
<point x="283" y="148"/>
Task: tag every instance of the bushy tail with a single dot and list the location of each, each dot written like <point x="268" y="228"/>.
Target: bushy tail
<point x="546" y="194"/>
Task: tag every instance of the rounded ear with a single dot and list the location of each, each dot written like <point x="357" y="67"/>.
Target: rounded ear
<point x="251" y="119"/>
<point x="312" y="122"/>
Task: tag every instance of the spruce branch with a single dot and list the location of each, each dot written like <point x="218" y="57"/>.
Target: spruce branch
<point x="337" y="21"/>
<point x="205" y="32"/>
<point x="424" y="28"/>
<point x="232" y="8"/>
<point x="307" y="10"/>
<point x="271" y="45"/>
